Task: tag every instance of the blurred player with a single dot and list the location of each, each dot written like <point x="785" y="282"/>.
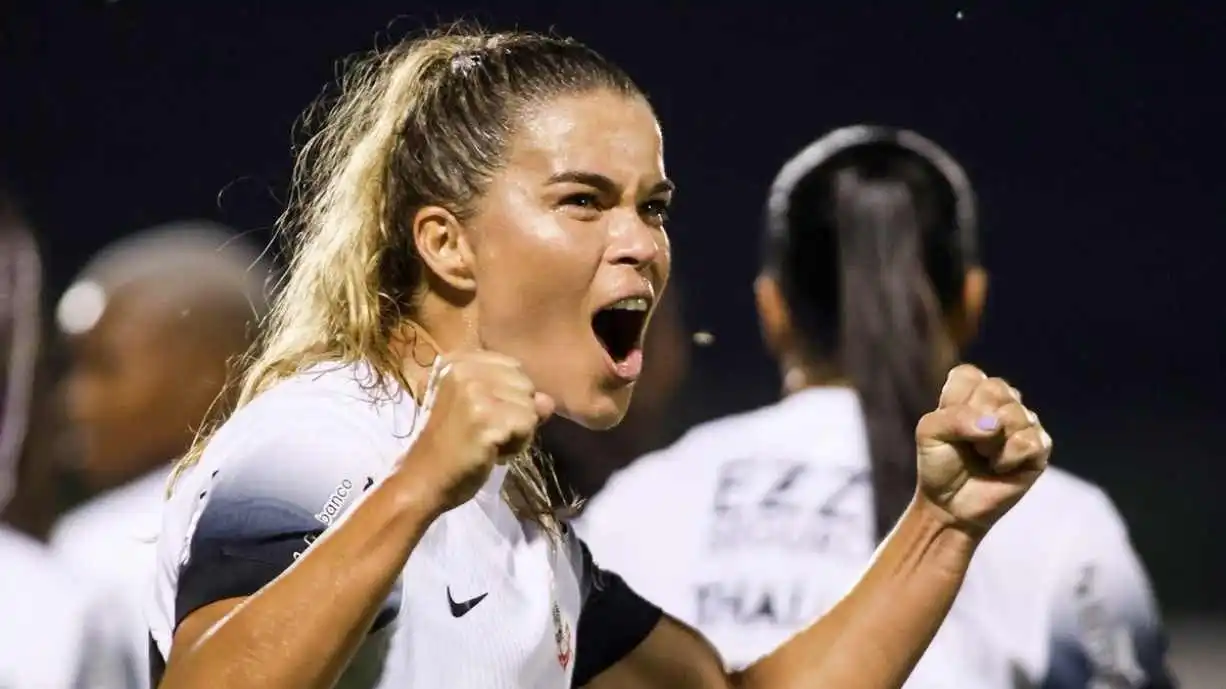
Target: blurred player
<point x="481" y="244"/>
<point x="49" y="638"/>
<point x="870" y="286"/>
<point x="152" y="323"/>
<point x="39" y="497"/>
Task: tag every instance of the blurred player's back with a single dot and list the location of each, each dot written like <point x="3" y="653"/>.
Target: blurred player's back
<point x="775" y="524"/>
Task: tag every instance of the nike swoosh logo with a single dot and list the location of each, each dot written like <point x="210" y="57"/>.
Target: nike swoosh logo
<point x="461" y="609"/>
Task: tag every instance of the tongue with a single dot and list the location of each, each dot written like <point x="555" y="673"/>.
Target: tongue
<point x="630" y="367"/>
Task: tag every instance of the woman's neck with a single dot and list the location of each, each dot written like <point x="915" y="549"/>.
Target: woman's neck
<point x="416" y="349"/>
<point x="799" y="377"/>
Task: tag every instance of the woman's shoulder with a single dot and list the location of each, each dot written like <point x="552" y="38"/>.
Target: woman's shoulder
<point x="329" y="404"/>
<point x="326" y="427"/>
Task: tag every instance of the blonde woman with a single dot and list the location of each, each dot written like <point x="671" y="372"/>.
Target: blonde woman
<point x="482" y="243"/>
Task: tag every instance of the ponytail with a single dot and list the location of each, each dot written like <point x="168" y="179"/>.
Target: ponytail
<point x="891" y="341"/>
<point x="869" y="232"/>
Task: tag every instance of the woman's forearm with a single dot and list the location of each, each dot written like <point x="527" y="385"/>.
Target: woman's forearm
<point x="302" y="629"/>
<point x="875" y="635"/>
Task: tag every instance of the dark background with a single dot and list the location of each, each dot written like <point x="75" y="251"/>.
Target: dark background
<point x="1093" y="135"/>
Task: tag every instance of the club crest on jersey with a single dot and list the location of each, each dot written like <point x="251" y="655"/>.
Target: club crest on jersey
<point x="561" y="636"/>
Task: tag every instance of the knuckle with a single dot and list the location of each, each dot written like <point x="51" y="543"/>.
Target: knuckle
<point x="525" y="422"/>
<point x="1025" y="444"/>
<point x="997" y="388"/>
<point x="1014" y="414"/>
<point x="472" y="388"/>
<point x="479" y="408"/>
<point x="503" y="361"/>
<point x="966" y="372"/>
<point x="494" y="435"/>
<point x="928" y="424"/>
<point x="1031" y="417"/>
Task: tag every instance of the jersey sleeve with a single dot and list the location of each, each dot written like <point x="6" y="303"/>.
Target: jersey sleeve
<point x="613" y="622"/>
<point x="1106" y="630"/>
<point x="274" y="491"/>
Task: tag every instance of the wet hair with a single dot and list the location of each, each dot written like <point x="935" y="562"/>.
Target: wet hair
<point x="870" y="232"/>
<point x="426" y="122"/>
<point x="20" y="326"/>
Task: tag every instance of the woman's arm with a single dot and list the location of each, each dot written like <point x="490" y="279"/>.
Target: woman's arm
<point x="978" y="453"/>
<point x="305" y="611"/>
<point x="302" y="629"/>
<point x="871" y="639"/>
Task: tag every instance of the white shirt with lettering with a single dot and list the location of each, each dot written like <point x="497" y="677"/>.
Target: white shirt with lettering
<point x="752" y="526"/>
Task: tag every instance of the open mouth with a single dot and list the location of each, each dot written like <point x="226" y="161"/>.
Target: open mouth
<point x="619" y="326"/>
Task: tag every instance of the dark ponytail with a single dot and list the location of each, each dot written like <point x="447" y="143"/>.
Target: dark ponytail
<point x="870" y="240"/>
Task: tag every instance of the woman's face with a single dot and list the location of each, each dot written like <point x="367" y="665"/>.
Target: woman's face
<point x="570" y="253"/>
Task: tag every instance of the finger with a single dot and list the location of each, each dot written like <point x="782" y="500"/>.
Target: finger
<point x="1014" y="417"/>
<point x="517" y="390"/>
<point x="519" y="427"/>
<point x="1026" y="450"/>
<point x="991" y="394"/>
<point x="959" y="385"/>
<point x="545" y="406"/>
<point x="956" y="425"/>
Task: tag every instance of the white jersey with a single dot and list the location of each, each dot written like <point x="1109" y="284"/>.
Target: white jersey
<point x="49" y="629"/>
<point x="110" y="543"/>
<point x="770" y="521"/>
<point x="484" y="600"/>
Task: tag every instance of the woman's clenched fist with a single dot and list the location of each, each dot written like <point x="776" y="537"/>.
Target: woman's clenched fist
<point x="483" y="410"/>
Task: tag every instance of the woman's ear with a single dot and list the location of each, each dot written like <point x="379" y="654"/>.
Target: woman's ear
<point x="964" y="323"/>
<point x="444" y="248"/>
<point x="774" y="318"/>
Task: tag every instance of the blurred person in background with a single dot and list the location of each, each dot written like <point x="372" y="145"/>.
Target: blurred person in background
<point x="50" y="631"/>
<point x="153" y="324"/>
<point x="871" y="285"/>
<point x="39" y="497"/>
<point x="584" y="459"/>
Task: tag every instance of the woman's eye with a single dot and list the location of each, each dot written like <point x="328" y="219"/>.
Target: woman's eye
<point x="657" y="210"/>
<point x="581" y="201"/>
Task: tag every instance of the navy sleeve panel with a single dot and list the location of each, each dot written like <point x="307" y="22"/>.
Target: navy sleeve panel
<point x="235" y="565"/>
<point x="257" y="519"/>
<point x="614" y="621"/>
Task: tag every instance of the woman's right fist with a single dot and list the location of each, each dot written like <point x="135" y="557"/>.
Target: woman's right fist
<point x="483" y="410"/>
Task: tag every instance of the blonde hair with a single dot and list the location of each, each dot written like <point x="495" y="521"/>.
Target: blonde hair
<point x="423" y="123"/>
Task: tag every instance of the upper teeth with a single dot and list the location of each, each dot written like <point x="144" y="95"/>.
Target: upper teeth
<point x="630" y="304"/>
